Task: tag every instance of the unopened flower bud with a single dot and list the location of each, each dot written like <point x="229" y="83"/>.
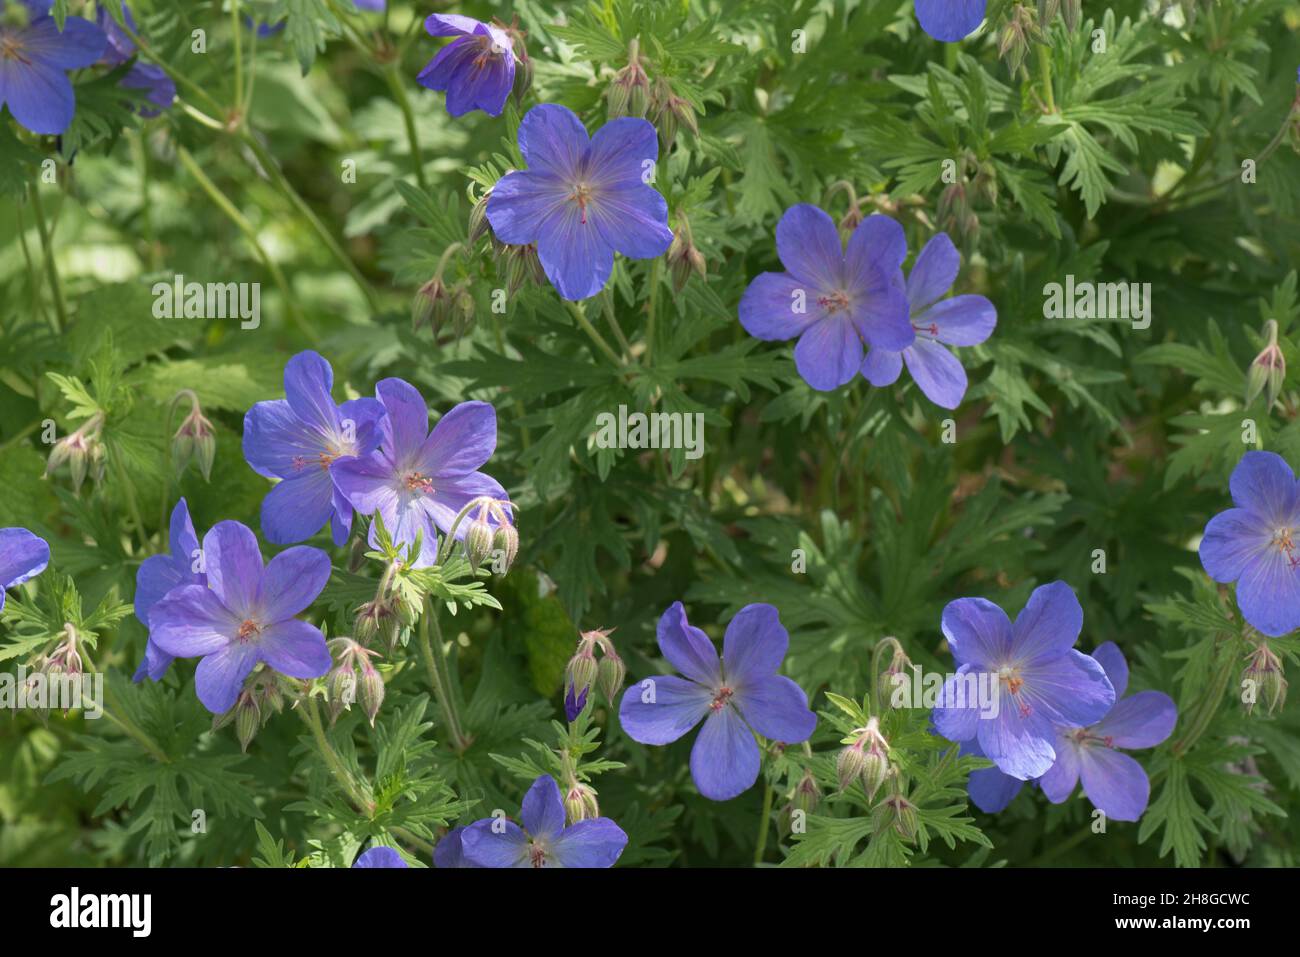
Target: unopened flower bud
<point x="195" y="440"/>
<point x="580" y="803"/>
<point x="478" y="221"/>
<point x="1047" y="11"/>
<point x="248" y="719"/>
<point x="684" y="259"/>
<point x="611" y="673"/>
<point x="478" y="542"/>
<point x="901" y="813"/>
<point x="1071" y="10"/>
<point x="372" y="689"/>
<point x="850" y="763"/>
<point x="899" y="664"/>
<point x="629" y="91"/>
<point x="807" y="795"/>
<point x="1268" y="371"/>
<point x="431" y="305"/>
<point x="582" y="669"/>
<point x="574" y="703"/>
<point x="1265" y="678"/>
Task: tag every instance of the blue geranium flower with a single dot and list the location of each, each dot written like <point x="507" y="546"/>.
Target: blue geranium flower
<point x="153" y="79"/>
<point x="476" y="70"/>
<point x="582" y="198"/>
<point x="35" y="57"/>
<point x="380" y="857"/>
<point x="23" y="556"/>
<point x="543" y="841"/>
<point x="950" y="20"/>
<point x="1254" y="544"/>
<point x="157" y="576"/>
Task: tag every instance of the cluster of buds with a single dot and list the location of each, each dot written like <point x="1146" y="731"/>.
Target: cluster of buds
<point x="865" y="758"/>
<point x="388" y="615"/>
<point x="1070" y="9"/>
<point x="671" y="113"/>
<point x="684" y="257"/>
<point x="629" y="91"/>
<point x="584" y="670"/>
<point x="491" y="533"/>
<point x="1020" y="32"/>
<point x="196" y="439"/>
<point x="82" y="451"/>
<point x="898" y="812"/>
<point x="1265" y="679"/>
<point x="261" y="697"/>
<point x="899" y="664"/>
<point x="1268" y="370"/>
<point x="352" y="677"/>
<point x="440" y="306"/>
<point x="580" y="801"/>
<point x="64" y="661"/>
<point x="518" y="265"/>
<point x="956" y="213"/>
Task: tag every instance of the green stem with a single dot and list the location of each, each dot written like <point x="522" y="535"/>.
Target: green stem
<point x="33" y="277"/>
<point x="656" y="269"/>
<point x="355" y="792"/>
<point x="435" y="662"/>
<point x="607" y="306"/>
<point x="236" y="28"/>
<point x="51" y="270"/>
<point x="764" y="823"/>
<point x="1202" y="712"/>
<point x="581" y="318"/>
<point x="132" y="506"/>
<point x="250" y="233"/>
<point x="408" y="119"/>
<point x="111" y="711"/>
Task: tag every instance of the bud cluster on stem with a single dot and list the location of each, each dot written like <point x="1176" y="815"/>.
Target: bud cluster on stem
<point x="585" y="670"/>
<point x="82" y="451"/>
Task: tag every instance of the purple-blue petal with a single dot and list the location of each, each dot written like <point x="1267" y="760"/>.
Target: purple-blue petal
<point x="660" y="710"/>
<point x="1114" y="783"/>
<point x="495" y="842"/>
<point x="542" y="812"/>
<point x="754" y="645"/>
<point x="829" y="353"/>
<point x="950" y="20"/>
<point x="937" y="372"/>
<point x="595" y="842"/>
<point x="687" y="648"/>
<point x="725" y="758"/>
<point x="978" y="632"/>
<point x="380" y="857"/>
<point x="1049" y="624"/>
<point x="776" y="708"/>
<point x="1112" y="661"/>
<point x="1140" y="721"/>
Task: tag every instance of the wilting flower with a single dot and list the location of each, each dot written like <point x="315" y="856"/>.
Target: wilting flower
<point x="244" y="615"/>
<point x="543" y="841"/>
<point x="380" y="857"/>
<point x="959" y="321"/>
<point x="476" y="70"/>
<point x="153" y="79"/>
<point x="582" y="199"/>
<point x="950" y="20"/>
<point x="418" y="480"/>
<point x="158" y="575"/>
<point x="833" y="299"/>
<point x="23" y="556"/>
<point x="736" y="697"/>
<point x="296" y="439"/>
<point x="1039" y="681"/>
<point x="35" y="57"/>
<point x="1114" y="782"/>
<point x="1254" y="543"/>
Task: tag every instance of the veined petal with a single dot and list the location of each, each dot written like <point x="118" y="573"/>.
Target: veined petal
<point x="882" y="367"/>
<point x="278" y="444"/>
<point x="619" y="153"/>
<point x="768" y="307"/>
<point x="1269" y="592"/>
<point x="634" y="221"/>
<point x="1263" y="483"/>
<point x="687" y="648"/>
<point x="950" y="20"/>
<point x="380" y="857"/>
<point x="595" y="842"/>
<point x="1232" y="541"/>
<point x="575" y="256"/>
<point x="829" y="353"/>
<point x="1049" y="624"/>
<point x="407" y="425"/>
<point x="449" y="25"/>
<point x="296" y="508"/>
<point x="1141" y="721"/>
<point x="754" y="645"/>
<point x="955" y="716"/>
<point x="38" y="95"/>
<point x="191" y="621"/>
<point x="552" y="139"/>
<point x="1018" y="744"/>
<point x="809" y="246"/>
<point x="295" y="648"/>
<point x="978" y="632"/>
<point x="157" y="575"/>
<point x="933" y="273"/>
<point x="453" y="494"/>
<point x="450" y="852"/>
<point x="292" y="581"/>
<point x="1114" y="783"/>
<point x="1058" y="783"/>
<point x="1111" y="659"/>
<point x="960" y="321"/>
<point x="521" y="201"/>
<point x="937" y="372"/>
<point x="495" y="843"/>
<point x="220" y="676"/>
<point x="776" y="708"/>
<point x="23" y="556"/>
<point x="725" y="757"/>
<point x="462" y="441"/>
<point x="79" y="44"/>
<point x="308" y="380"/>
<point x="369" y="483"/>
<point x="233" y="563"/>
<point x="542" y="811"/>
<point x="1070" y="690"/>
<point x="660" y="710"/>
<point x="879" y="311"/>
<point x="877" y="247"/>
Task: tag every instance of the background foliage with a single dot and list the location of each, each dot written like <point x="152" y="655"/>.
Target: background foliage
<point x="1076" y="435"/>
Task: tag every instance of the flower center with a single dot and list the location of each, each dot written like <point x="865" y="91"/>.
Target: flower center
<point x="1085" y="738"/>
<point x="837" y="301"/>
<point x="1010" y="677"/>
<point x="721" y="698"/>
<point x="582" y="196"/>
<point x="488" y="51"/>
<point x="931" y="330"/>
<point x="415" y="482"/>
<point x="1282" y="538"/>
<point x="536" y="855"/>
<point x="11" y="47"/>
<point x="248" y="629"/>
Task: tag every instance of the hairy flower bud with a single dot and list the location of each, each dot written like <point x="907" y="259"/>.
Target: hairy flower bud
<point x="479" y="539"/>
<point x="611" y="674"/>
<point x="82" y="451"/>
<point x="1071" y="10"/>
<point x="580" y="802"/>
<point x="195" y="440"/>
<point x="1268" y="370"/>
<point x="684" y="259"/>
<point x="431" y="305"/>
<point x="1266" y="678"/>
<point x="582" y="669"/>
<point x="806" y="795"/>
<point x="899" y="664"/>
<point x="372" y="688"/>
<point x="478" y="221"/>
<point x="629" y="91"/>
<point x="248" y="719"/>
